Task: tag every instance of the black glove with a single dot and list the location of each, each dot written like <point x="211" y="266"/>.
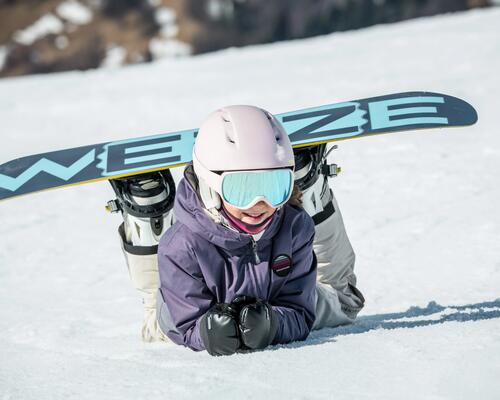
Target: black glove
<point x="219" y="330"/>
<point x="258" y="322"/>
<point x="241" y="301"/>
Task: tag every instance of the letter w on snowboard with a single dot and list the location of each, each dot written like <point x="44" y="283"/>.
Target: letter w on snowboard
<point x="50" y="167"/>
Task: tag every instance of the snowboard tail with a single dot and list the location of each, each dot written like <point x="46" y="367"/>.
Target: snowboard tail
<point x="311" y="126"/>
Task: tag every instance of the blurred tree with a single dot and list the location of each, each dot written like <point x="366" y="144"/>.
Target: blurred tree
<point x="223" y="23"/>
<point x="135" y="29"/>
<point x="117" y="8"/>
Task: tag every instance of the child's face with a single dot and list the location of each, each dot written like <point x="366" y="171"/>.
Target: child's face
<point x="254" y="215"/>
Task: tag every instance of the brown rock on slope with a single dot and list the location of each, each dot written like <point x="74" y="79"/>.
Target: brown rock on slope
<point x="134" y="29"/>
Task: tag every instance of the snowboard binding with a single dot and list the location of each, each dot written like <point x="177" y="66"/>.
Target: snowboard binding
<point x="310" y="162"/>
<point x="145" y="202"/>
<point x="310" y="165"/>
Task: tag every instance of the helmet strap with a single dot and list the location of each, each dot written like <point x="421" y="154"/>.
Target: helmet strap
<point x="209" y="197"/>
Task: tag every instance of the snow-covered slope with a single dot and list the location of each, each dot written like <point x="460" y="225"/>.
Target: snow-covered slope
<point x="421" y="209"/>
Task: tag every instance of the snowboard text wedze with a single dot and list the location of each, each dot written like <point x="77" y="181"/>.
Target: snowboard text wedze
<point x="397" y="112"/>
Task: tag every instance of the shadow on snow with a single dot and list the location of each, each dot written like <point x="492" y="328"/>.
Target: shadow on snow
<point x="414" y="317"/>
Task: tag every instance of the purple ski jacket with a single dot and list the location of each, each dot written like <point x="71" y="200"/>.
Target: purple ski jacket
<point x="202" y="263"/>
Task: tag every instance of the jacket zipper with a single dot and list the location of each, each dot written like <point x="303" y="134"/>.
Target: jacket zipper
<point x="254" y="248"/>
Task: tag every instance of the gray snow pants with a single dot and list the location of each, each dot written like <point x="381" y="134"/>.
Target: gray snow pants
<point x="338" y="301"/>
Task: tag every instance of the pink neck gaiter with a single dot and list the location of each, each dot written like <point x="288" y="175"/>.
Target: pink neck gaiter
<point x="242" y="226"/>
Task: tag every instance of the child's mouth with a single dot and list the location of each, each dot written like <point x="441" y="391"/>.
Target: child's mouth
<point x="254" y="218"/>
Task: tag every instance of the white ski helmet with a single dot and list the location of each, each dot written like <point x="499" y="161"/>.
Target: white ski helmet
<point x="237" y="138"/>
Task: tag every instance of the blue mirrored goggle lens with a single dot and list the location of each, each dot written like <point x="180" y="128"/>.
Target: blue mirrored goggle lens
<point x="241" y="188"/>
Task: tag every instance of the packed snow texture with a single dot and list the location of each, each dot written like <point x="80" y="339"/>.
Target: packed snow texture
<point x="421" y="210"/>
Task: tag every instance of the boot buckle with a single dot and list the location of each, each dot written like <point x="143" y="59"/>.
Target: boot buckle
<point x="113" y="206"/>
<point x="330" y="170"/>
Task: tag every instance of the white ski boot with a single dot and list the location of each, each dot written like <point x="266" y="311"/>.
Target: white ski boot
<point x="146" y="203"/>
<point x="338" y="300"/>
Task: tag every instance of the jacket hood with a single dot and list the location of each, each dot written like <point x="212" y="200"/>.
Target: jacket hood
<point x="189" y="210"/>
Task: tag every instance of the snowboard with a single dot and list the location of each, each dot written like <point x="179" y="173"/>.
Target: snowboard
<point x="305" y="127"/>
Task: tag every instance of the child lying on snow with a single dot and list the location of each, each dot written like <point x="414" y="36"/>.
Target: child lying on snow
<point x="258" y="253"/>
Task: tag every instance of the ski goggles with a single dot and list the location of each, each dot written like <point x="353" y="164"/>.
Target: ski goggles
<point x="244" y="189"/>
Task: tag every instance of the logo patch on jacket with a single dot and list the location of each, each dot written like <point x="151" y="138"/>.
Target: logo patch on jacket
<point x="282" y="265"/>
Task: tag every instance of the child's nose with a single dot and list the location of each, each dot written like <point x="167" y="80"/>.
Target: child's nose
<point x="260" y="206"/>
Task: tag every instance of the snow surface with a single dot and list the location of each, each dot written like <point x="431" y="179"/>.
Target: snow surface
<point x="165" y="45"/>
<point x="74" y="12"/>
<point x="61" y="42"/>
<point x="420" y="209"/>
<point x="115" y="57"/>
<point x="3" y="56"/>
<point x="48" y="24"/>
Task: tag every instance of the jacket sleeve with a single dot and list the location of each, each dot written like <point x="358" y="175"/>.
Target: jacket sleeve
<point x="183" y="288"/>
<point x="295" y="303"/>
